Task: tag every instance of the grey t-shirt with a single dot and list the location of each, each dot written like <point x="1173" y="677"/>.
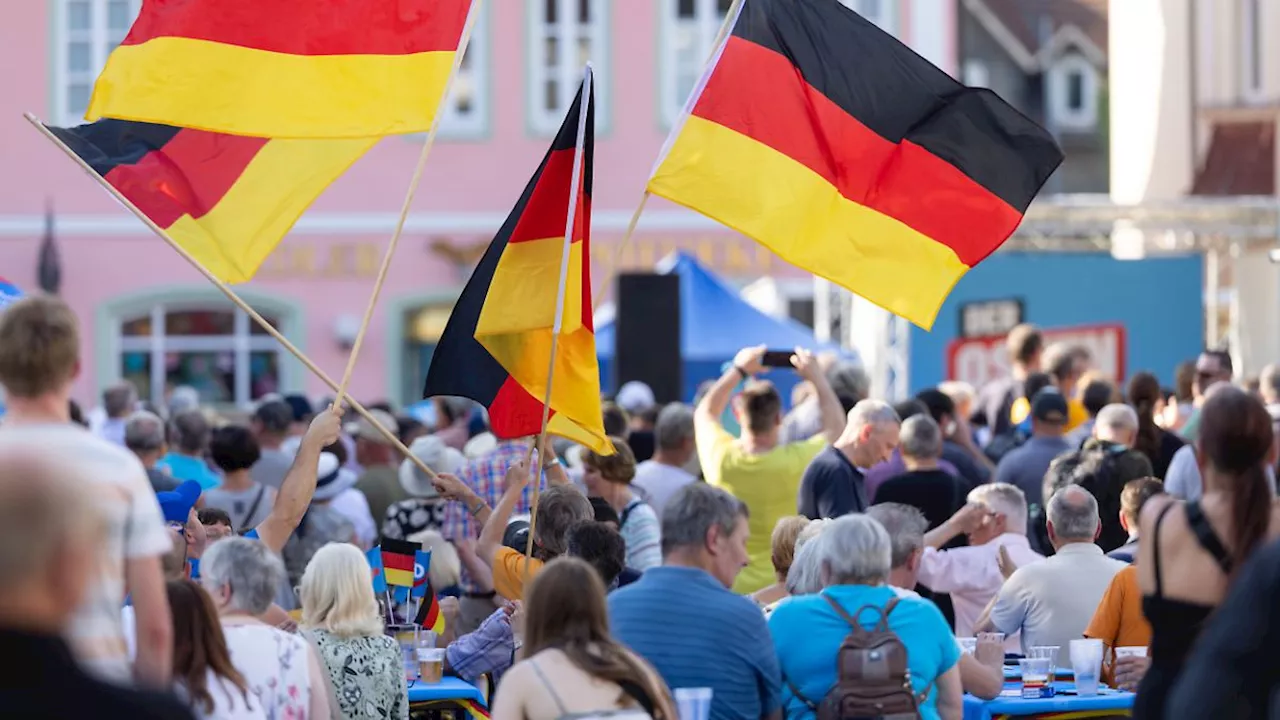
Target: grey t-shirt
<point x="1025" y="466"/>
<point x="271" y="468"/>
<point x="247" y="508"/>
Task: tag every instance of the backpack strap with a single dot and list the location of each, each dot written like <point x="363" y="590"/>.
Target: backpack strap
<point x="881" y="626"/>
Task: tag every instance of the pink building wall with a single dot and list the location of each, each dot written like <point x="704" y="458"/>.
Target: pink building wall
<point x="109" y="259"/>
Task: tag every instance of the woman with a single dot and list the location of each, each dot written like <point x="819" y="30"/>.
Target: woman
<point x="343" y="622"/>
<point x="1157" y="444"/>
<point x="241" y="576"/>
<point x="247" y="503"/>
<point x="855" y="560"/>
<point x="782" y="552"/>
<point x="609" y="477"/>
<point x="571" y="665"/>
<point x="202" y="669"/>
<point x="1190" y="551"/>
<point x="804" y="577"/>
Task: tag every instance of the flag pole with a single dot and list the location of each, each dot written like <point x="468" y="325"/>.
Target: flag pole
<point x="408" y="203"/>
<point x="726" y="27"/>
<point x="557" y="323"/>
<point x="227" y="291"/>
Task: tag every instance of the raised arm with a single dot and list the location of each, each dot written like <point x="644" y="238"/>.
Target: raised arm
<point x="829" y="407"/>
<point x="491" y="536"/>
<point x="745" y="364"/>
<point x="299" y="486"/>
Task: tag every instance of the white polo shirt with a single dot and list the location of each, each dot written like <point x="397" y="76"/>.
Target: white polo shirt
<point x="1052" y="601"/>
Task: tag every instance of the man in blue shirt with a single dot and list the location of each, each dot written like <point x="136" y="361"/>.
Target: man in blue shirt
<point x="683" y="619"/>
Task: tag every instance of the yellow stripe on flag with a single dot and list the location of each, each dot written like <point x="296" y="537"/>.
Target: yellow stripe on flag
<point x="399" y="578"/>
<point x="792" y="210"/>
<point x="199" y="84"/>
<point x="235" y="237"/>
<point x="522" y="294"/>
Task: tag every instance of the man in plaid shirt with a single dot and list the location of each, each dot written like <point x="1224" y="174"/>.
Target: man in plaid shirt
<point x="483" y="476"/>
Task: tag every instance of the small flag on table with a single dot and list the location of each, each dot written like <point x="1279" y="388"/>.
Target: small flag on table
<point x="397" y="559"/>
<point x="374" y="556"/>
<point x="429" y="615"/>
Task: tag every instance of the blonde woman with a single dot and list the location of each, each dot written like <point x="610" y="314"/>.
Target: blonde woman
<point x="340" y="617"/>
<point x="782" y="552"/>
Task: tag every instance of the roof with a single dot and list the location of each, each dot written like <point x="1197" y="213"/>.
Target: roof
<point x="1241" y="160"/>
<point x="1034" y="32"/>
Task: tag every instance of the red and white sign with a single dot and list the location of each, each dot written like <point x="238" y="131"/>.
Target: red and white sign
<point x="981" y="359"/>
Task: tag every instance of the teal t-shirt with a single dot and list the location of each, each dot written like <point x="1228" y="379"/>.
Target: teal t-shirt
<point x="807" y="633"/>
<point x="183" y="468"/>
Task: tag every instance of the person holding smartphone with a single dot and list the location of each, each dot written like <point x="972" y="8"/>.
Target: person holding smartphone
<point x="755" y="467"/>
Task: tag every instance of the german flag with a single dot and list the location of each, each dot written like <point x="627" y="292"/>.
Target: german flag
<point x="826" y="140"/>
<point x="496" y="347"/>
<point x="284" y="68"/>
<point x="398" y="559"/>
<point x="226" y="199"/>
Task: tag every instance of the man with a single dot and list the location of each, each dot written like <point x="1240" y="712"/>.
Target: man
<point x="1024" y="345"/>
<point x="482" y="478"/>
<point x="118" y="402"/>
<point x="1052" y="601"/>
<point x="39" y="361"/>
<point x="1065" y="365"/>
<point x="995" y="520"/>
<point x="1025" y="465"/>
<point x="1183" y="480"/>
<point x="659" y="478"/>
<point x="682" y="618"/>
<point x="1097" y="394"/>
<point x="380" y="481"/>
<point x="832" y="485"/>
<point x="848" y="381"/>
<point x="757" y="468"/>
<point x="958" y="447"/>
<point x="271" y="424"/>
<point x="1212" y="367"/>
<point x="1136" y="494"/>
<point x="189" y="433"/>
<point x="144" y="437"/>
<point x="1103" y="466"/>
<point x="876" y="475"/>
<point x="924" y="485"/>
<point x="50" y="545"/>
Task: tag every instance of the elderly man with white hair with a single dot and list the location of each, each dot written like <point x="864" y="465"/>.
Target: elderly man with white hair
<point x="1052" y="601"/>
<point x="1103" y="466"/>
<point x="832" y="485"/>
<point x="280" y="668"/>
<point x="856" y="561"/>
<point x="994" y="520"/>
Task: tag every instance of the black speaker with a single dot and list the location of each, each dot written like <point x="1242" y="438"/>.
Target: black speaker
<point x="648" y="335"/>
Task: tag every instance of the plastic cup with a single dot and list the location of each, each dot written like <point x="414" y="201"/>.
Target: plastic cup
<point x="1131" y="651"/>
<point x="968" y="644"/>
<point x="1035" y="676"/>
<point x="407" y="637"/>
<point x="1086" y="662"/>
<point x="693" y="703"/>
<point x="1049" y="652"/>
<point x="430" y="665"/>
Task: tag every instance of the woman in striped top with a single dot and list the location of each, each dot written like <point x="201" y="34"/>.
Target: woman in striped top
<point x="609" y="477"/>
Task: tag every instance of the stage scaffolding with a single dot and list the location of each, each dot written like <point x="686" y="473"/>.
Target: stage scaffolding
<point x="1225" y="230"/>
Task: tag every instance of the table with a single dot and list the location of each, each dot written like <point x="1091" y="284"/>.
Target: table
<point x="1061" y="707"/>
<point x="451" y="694"/>
<point x="1014" y="673"/>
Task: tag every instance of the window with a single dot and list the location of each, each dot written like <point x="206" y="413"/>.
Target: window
<point x="466" y="110"/>
<point x="225" y="356"/>
<point x="689" y="29"/>
<point x="1251" y="79"/>
<point x="563" y="36"/>
<point x="1073" y="89"/>
<point x="87" y="31"/>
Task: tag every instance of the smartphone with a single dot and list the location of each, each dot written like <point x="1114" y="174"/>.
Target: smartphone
<point x="777" y="358"/>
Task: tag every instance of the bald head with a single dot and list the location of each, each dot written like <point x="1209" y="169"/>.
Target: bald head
<point x="1116" y="423"/>
<point x="1073" y="516"/>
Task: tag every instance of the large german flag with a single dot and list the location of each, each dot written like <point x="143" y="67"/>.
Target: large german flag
<point x="828" y="141"/>
<point x="227" y="199"/>
<point x="284" y="68"/>
<point x="496" y="348"/>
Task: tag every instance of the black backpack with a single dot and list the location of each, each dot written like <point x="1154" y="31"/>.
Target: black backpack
<point x="872" y="679"/>
<point x="1097" y="470"/>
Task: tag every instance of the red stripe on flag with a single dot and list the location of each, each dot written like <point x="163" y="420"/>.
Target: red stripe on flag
<point x="391" y="561"/>
<point x="514" y="413"/>
<point x="545" y="212"/>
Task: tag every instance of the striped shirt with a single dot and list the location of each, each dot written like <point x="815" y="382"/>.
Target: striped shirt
<point x="642" y="534"/>
<point x="698" y="634"/>
<point x="484" y="476"/>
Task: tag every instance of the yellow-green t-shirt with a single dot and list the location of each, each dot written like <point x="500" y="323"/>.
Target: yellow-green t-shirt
<point x="768" y="483"/>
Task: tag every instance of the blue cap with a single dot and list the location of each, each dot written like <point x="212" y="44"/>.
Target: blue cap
<point x="176" y="504"/>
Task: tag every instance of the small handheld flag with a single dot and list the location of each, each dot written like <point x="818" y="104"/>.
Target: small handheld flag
<point x="429" y="615"/>
<point x="397" y="558"/>
<point x="374" y="556"/>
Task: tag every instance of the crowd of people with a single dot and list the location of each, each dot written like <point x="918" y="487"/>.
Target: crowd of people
<point x="164" y="560"/>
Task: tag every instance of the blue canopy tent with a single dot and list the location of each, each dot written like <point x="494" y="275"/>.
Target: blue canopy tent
<point x="714" y="325"/>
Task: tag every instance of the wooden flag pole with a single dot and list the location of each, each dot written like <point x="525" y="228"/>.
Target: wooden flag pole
<point x="408" y="203"/>
<point x="228" y="292"/>
<point x="726" y="27"/>
<point x="558" y="322"/>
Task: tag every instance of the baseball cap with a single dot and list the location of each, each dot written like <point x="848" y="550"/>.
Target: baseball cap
<point x="1049" y="406"/>
<point x="176" y="504"/>
<point x="635" y="397"/>
<point x="362" y="428"/>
